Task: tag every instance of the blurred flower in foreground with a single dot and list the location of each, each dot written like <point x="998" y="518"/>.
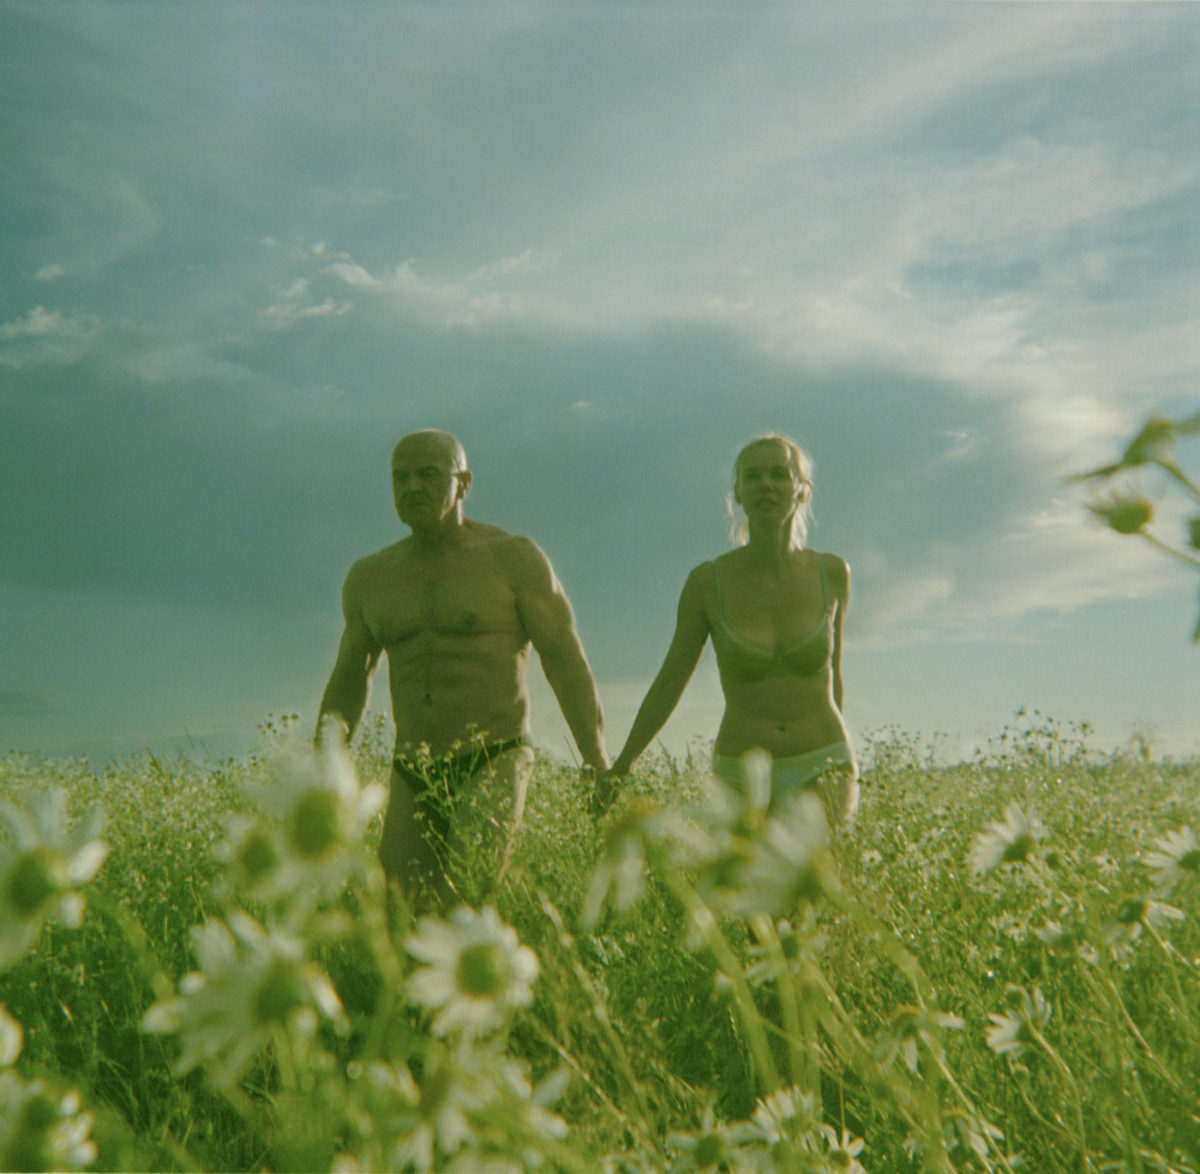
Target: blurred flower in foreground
<point x="41" y="868"/>
<point x="320" y="814"/>
<point x="1011" y="1034"/>
<point x="1176" y="857"/>
<point x="42" y="1129"/>
<point x="475" y="1108"/>
<point x="914" y="1029"/>
<point x="748" y="859"/>
<point x="475" y="971"/>
<point x="1140" y="913"/>
<point x="1008" y="841"/>
<point x="1124" y="514"/>
<point x="253" y="987"/>
<point x="621" y="871"/>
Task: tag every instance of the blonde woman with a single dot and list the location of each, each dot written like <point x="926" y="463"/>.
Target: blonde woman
<point x="774" y="611"/>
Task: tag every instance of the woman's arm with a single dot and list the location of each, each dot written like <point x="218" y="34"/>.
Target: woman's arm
<point x="691" y="632"/>
<point x="840" y="582"/>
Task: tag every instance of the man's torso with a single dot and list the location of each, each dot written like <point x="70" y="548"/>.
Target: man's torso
<point x="451" y="627"/>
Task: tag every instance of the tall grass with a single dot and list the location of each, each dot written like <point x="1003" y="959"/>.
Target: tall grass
<point x="997" y="969"/>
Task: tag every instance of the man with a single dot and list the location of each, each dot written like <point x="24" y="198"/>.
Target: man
<point x="456" y="606"/>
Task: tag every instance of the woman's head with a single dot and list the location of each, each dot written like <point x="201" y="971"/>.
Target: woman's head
<point x="766" y="456"/>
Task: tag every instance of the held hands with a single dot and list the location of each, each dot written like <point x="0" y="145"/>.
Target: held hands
<point x="605" y="786"/>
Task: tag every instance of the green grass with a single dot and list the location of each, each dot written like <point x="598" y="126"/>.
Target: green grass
<point x="854" y="997"/>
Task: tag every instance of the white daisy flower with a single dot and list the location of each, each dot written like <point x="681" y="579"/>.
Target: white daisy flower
<point x="41" y="867"/>
<point x="1140" y="913"/>
<point x="787" y="1114"/>
<point x="622" y="869"/>
<point x="1007" y="841"/>
<point x="475" y="971"/>
<point x="42" y="1128"/>
<point x="253" y="987"/>
<point x="12" y="1038"/>
<point x="311" y="840"/>
<point x="837" y="1152"/>
<point x="1011" y="1034"/>
<point x="748" y="860"/>
<point x="1176" y="856"/>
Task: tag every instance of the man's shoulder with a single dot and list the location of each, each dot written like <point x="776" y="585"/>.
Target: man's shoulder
<point x="370" y="565"/>
<point x="503" y="543"/>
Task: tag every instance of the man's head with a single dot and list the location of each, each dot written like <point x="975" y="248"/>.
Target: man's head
<point x="429" y="478"/>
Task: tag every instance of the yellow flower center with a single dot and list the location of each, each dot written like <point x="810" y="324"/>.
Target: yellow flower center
<point x="482" y="972"/>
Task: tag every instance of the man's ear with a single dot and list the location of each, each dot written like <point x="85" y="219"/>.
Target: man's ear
<point x="464" y="482"/>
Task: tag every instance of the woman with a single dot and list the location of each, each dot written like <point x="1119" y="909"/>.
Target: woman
<point x="775" y="613"/>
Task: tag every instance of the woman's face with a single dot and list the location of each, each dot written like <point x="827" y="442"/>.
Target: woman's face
<point x="767" y="481"/>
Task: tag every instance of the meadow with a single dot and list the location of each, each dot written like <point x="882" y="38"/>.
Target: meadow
<point x="997" y="969"/>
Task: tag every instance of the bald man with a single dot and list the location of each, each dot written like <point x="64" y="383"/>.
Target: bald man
<point x="456" y="606"/>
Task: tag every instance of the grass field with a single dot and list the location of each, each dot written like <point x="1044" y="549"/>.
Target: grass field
<point x="998" y="969"/>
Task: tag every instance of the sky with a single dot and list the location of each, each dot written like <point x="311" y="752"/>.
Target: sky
<point x="951" y="248"/>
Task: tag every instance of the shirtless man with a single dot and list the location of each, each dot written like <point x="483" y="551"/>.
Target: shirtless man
<point x="456" y="607"/>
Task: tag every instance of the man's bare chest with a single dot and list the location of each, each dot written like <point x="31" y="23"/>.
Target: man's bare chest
<point x="457" y="600"/>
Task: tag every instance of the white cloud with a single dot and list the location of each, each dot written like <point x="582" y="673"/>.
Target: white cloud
<point x="46" y="336"/>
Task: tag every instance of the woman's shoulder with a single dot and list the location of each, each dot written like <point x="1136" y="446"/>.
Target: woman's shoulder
<point x="837" y="570"/>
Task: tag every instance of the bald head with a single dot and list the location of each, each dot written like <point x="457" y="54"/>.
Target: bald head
<point x="434" y="438"/>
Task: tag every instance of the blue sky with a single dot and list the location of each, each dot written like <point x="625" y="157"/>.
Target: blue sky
<point x="951" y="248"/>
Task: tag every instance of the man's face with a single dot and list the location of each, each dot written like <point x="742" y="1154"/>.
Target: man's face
<point x="425" y="485"/>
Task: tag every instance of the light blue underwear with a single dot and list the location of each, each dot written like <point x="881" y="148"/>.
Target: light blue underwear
<point x="797" y="772"/>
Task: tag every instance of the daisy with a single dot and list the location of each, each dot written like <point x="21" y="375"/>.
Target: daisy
<point x="253" y="988"/>
<point x="1140" y="913"/>
<point x="311" y="839"/>
<point x="41" y="1128"/>
<point x="838" y="1152"/>
<point x="748" y="860"/>
<point x="912" y="1029"/>
<point x="41" y="868"/>
<point x="1008" y="841"/>
<point x="12" y="1038"/>
<point x="475" y="971"/>
<point x="1176" y="856"/>
<point x="622" y="869"/>
<point x="1011" y="1034"/>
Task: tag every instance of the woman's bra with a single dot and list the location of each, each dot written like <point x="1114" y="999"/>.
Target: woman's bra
<point x="743" y="661"/>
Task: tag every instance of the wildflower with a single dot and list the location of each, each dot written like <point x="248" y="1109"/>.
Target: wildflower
<point x="913" y="1028"/>
<point x="788" y="1114"/>
<point x="253" y="987"/>
<point x="42" y="868"/>
<point x="961" y="1130"/>
<point x="476" y="971"/>
<point x="1008" y="841"/>
<point x="838" y="1152"/>
<point x="1176" y="857"/>
<point x="12" y="1038"/>
<point x="1140" y="913"/>
<point x="748" y="860"/>
<point x="1124" y="514"/>
<point x="320" y="813"/>
<point x="41" y="1128"/>
<point x="797" y="947"/>
<point x="1011" y="1034"/>
<point x="622" y="869"/>
<point x="709" y="1149"/>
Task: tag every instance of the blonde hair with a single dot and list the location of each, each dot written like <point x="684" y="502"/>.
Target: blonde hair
<point x="800" y="463"/>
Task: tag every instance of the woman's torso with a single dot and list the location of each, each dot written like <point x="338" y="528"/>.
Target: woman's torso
<point x="773" y="631"/>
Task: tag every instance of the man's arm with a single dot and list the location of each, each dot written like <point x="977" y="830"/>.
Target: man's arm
<point x="549" y="623"/>
<point x="358" y="655"/>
